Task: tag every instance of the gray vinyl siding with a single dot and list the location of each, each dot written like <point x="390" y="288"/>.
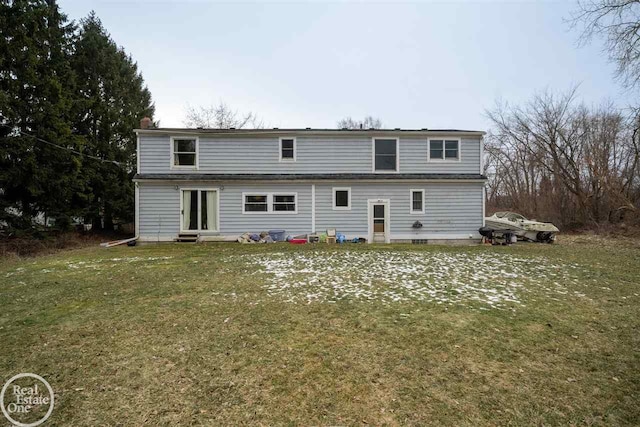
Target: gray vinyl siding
<point x="313" y="155"/>
<point x="159" y="211"/>
<point x="414" y="159"/>
<point x="154" y="154"/>
<point x="451" y="209"/>
<point x="234" y="222"/>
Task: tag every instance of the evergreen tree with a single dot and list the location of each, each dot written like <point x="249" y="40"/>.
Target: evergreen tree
<point x="35" y="99"/>
<point x="111" y="100"/>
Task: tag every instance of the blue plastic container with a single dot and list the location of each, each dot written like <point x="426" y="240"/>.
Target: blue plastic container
<point x="277" y="235"/>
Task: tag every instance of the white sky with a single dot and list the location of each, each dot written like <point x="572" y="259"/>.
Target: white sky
<point x="414" y="65"/>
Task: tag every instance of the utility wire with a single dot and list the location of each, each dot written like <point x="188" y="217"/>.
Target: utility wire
<point x="44" y="141"/>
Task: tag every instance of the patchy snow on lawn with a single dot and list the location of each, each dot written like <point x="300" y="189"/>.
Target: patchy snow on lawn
<point x="490" y="280"/>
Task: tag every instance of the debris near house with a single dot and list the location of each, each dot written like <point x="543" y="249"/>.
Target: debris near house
<point x="274" y="236"/>
<point x="263" y="237"/>
<point x="129" y="242"/>
<point x="299" y="240"/>
<point x="277" y="235"/>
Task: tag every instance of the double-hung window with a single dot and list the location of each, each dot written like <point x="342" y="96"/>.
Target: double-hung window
<point x="417" y="201"/>
<point x="444" y="149"/>
<point x="287" y="149"/>
<point x="341" y="198"/>
<point x="271" y="203"/>
<point x="255" y="203"/>
<point x="385" y="155"/>
<point x="184" y="152"/>
<point x="284" y="203"/>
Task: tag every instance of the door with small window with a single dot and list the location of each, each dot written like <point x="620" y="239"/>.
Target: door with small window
<point x="379" y="221"/>
<point x="198" y="210"/>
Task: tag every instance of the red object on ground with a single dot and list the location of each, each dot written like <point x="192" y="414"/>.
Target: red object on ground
<point x="298" y="241"/>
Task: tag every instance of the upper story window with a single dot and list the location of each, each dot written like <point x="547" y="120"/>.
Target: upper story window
<point x="287" y="149"/>
<point x="417" y="202"/>
<point x="444" y="149"/>
<point x="385" y="155"/>
<point x="341" y="198"/>
<point x="184" y="152"/>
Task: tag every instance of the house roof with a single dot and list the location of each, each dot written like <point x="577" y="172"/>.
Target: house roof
<point x="305" y="177"/>
<point x="310" y="131"/>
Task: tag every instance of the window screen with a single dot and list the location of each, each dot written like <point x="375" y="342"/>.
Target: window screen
<point x="386" y="154"/>
<point x="342" y="198"/>
<point x="416" y="201"/>
<point x="287" y="149"/>
<point x="184" y="152"/>
<point x="285" y="203"/>
<point x="255" y="203"/>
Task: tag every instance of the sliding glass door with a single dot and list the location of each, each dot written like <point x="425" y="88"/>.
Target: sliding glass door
<point x="199" y="210"/>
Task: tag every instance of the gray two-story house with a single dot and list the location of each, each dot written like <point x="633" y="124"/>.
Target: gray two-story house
<point x="385" y="185"/>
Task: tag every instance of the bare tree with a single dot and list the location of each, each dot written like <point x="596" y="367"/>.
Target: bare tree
<point x="369" y="122"/>
<point x="220" y="116"/>
<point x="618" y="21"/>
<point x="564" y="161"/>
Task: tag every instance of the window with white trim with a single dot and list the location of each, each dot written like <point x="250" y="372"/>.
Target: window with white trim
<point x="255" y="203"/>
<point x="277" y="203"/>
<point x="184" y="152"/>
<point x="444" y="149"/>
<point x="417" y="201"/>
<point x="199" y="209"/>
<point x="287" y="149"/>
<point x="284" y="202"/>
<point x="385" y="154"/>
<point x="341" y="198"/>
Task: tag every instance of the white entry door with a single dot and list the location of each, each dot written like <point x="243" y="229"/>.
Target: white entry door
<point x="199" y="210"/>
<point x="379" y="219"/>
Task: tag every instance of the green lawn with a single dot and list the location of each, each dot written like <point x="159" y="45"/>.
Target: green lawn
<point x="325" y="335"/>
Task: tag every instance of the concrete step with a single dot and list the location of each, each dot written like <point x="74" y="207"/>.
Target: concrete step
<point x="186" y="238"/>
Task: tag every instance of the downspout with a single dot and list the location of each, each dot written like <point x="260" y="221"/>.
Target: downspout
<point x="313" y="208"/>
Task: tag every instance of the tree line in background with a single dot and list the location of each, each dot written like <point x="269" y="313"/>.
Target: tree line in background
<point x="558" y="160"/>
<point x="69" y="101"/>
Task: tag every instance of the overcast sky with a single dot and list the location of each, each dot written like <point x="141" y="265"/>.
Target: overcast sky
<point x="413" y="65"/>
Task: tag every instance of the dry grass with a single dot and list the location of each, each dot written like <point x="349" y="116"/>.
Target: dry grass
<point x="49" y="242"/>
<point x="189" y="334"/>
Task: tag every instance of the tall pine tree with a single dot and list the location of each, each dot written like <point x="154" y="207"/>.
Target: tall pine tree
<point x="36" y="90"/>
<point x="76" y="90"/>
<point x="111" y="100"/>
